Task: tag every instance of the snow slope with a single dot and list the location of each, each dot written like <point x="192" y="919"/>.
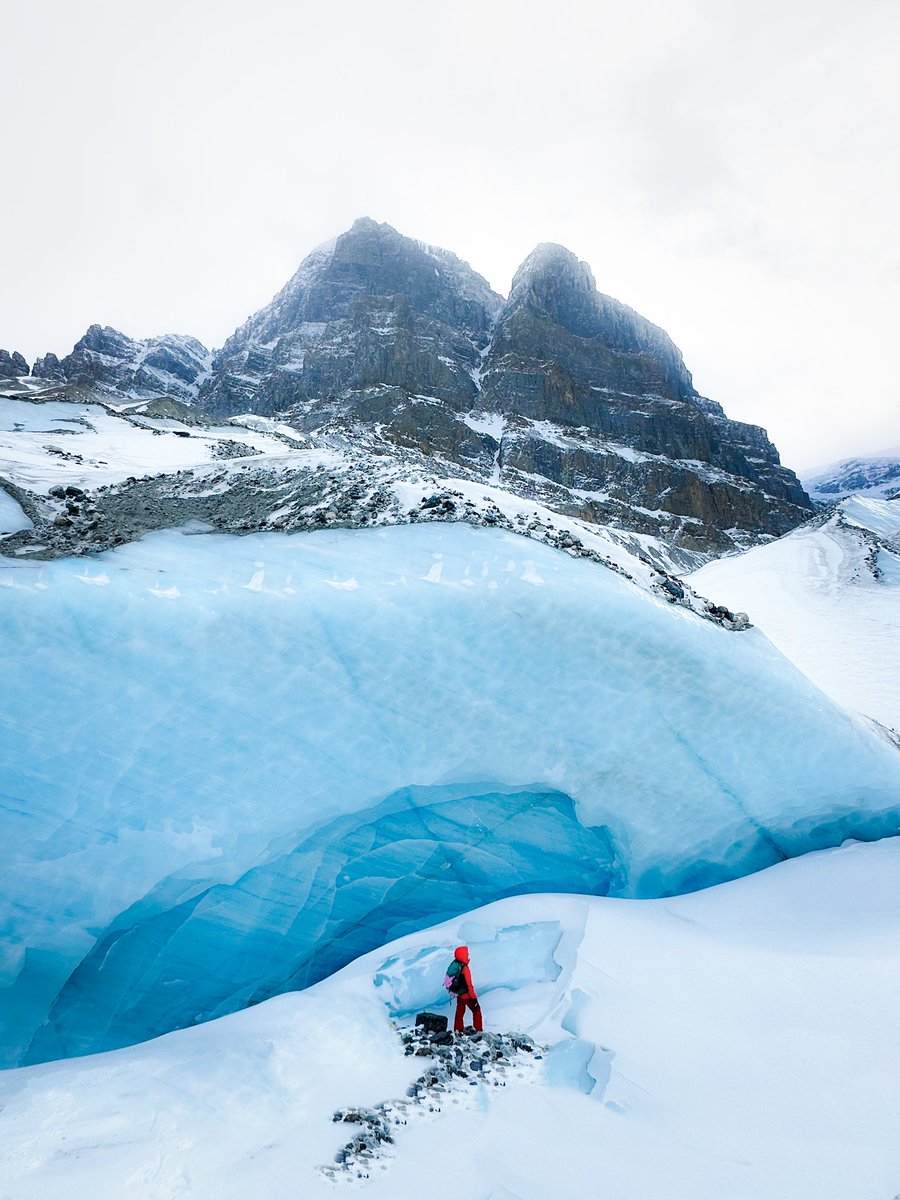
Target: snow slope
<point x="230" y="765"/>
<point x="828" y="596"/>
<point x="738" y="1043"/>
<point x="92" y="445"/>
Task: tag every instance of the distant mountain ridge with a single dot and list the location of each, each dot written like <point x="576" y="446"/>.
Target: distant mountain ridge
<point x="876" y="476"/>
<point x="171" y="365"/>
<point x="559" y="393"/>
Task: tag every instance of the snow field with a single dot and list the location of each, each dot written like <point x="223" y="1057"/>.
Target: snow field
<point x="89" y="445"/>
<point x="737" y="1042"/>
<point x="828" y="596"/>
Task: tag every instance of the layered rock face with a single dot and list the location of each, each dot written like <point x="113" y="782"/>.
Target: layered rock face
<point x="561" y="393"/>
<point x="629" y="428"/>
<point x="369" y="321"/>
<point x="107" y="360"/>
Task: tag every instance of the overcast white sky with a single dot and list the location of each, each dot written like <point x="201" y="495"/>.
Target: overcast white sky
<point x="730" y="168"/>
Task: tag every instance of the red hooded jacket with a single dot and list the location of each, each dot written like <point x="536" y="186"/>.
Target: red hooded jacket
<point x="461" y="954"/>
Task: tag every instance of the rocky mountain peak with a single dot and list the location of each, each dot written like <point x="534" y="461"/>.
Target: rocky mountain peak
<point x="553" y="285"/>
<point x="366" y="225"/>
<point x="109" y="361"/>
<point x="556" y="284"/>
<point x="12" y="366"/>
<point x="48" y="367"/>
<point x="371" y="260"/>
<point x="561" y="394"/>
<point x="103" y="339"/>
<point x="550" y="259"/>
<point x="876" y="476"/>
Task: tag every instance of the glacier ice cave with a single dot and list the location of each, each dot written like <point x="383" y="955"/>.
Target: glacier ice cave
<point x="230" y="765"/>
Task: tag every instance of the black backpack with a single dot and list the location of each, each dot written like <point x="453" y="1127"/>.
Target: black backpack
<point x="454" y="980"/>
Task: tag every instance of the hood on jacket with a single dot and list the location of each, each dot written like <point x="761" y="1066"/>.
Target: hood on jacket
<point x="461" y="954"/>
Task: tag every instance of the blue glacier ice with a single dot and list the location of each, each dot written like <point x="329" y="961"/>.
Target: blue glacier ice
<point x="229" y="765"/>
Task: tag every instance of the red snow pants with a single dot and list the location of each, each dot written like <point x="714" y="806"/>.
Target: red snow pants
<point x="459" y="1021"/>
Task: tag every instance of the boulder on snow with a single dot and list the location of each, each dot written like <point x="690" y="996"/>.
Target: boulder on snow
<point x="431" y="1022"/>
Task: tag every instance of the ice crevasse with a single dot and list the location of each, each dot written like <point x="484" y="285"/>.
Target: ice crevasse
<point x="230" y="765"/>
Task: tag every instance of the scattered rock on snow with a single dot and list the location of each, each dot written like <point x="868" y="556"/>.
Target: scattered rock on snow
<point x="461" y="1061"/>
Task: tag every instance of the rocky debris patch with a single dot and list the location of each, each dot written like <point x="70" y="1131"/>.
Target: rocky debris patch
<point x="451" y="505"/>
<point x="228" y="448"/>
<point x="26" y="502"/>
<point x="870" y="544"/>
<point x="461" y="1064"/>
<point x="245" y="497"/>
<point x="676" y="591"/>
<point x="168" y="408"/>
<point x="234" y="496"/>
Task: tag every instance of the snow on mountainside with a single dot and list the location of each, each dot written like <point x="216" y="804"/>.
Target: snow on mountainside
<point x="828" y="596"/>
<point x="173" y="365"/>
<point x="256" y="758"/>
<point x="375" y="325"/>
<point x="81" y="478"/>
<point x="92" y="445"/>
<point x="877" y="477"/>
<point x="561" y="396"/>
<point x="739" y="1042"/>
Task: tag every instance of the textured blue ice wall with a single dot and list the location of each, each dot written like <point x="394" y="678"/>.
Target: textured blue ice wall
<point x="423" y="855"/>
<point x="201" y="736"/>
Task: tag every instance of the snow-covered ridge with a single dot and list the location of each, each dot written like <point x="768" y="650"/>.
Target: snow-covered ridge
<point x="828" y="596"/>
<point x="92" y="445"/>
<point x="108" y="361"/>
<point x="876" y="476"/>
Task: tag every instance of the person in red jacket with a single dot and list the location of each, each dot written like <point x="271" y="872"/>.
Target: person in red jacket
<point x="466" y="997"/>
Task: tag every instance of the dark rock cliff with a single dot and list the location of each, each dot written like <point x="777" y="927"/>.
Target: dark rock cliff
<point x="370" y="313"/>
<point x="560" y="392"/>
<point x="12" y="366"/>
<point x="634" y="429"/>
